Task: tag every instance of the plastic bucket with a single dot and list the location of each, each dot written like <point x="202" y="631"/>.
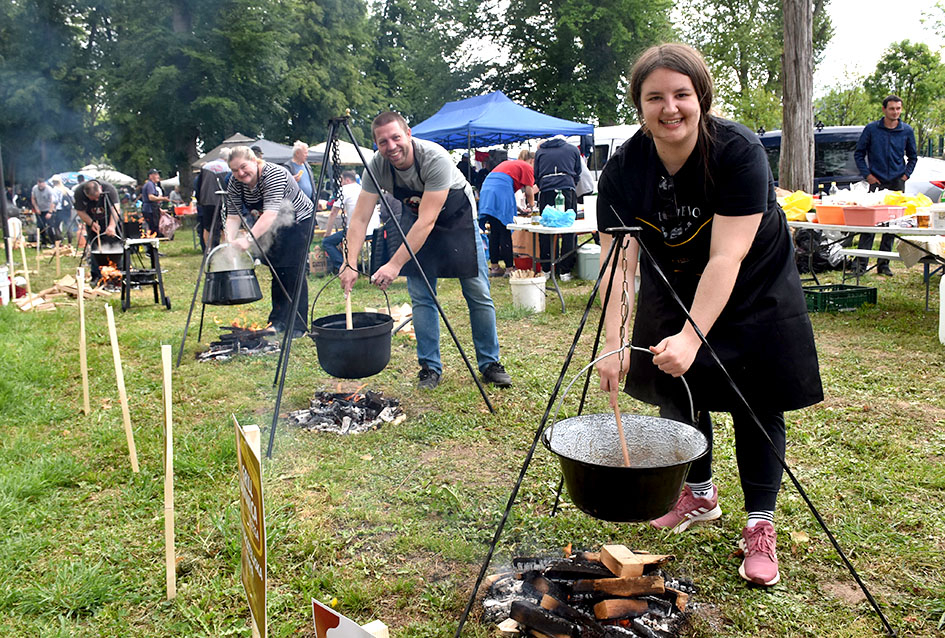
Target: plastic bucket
<point x="528" y="294"/>
<point x="588" y="262"/>
<point x="4" y="286"/>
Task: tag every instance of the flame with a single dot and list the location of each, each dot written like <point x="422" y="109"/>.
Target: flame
<point x="243" y="323"/>
<point x="217" y="320"/>
<point x="110" y="273"/>
<point x="148" y="234"/>
<point x="356" y="391"/>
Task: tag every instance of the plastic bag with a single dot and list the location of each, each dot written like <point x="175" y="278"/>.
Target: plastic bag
<point x="796" y="206"/>
<point x="554" y="218"/>
<point x="168" y="225"/>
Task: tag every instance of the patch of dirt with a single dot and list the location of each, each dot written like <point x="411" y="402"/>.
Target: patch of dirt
<point x="847" y="593"/>
<point x="475" y="462"/>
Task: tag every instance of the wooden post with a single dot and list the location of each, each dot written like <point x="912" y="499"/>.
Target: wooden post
<point x="122" y="395"/>
<point x="83" y="360"/>
<point x="26" y="268"/>
<point x="58" y="273"/>
<point x="38" y="252"/>
<point x="170" y="556"/>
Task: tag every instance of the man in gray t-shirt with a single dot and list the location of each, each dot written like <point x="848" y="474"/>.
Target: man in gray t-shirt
<point x="43" y="201"/>
<point x="440" y="211"/>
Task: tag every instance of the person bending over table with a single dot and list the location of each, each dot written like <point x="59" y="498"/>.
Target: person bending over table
<point x="96" y="204"/>
<point x="439" y="219"/>
<point x="702" y="192"/>
<point x="280" y="231"/>
<point x="497" y="205"/>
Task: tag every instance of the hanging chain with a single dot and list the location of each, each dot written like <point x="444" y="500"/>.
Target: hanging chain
<point x="336" y="192"/>
<point x="624" y="301"/>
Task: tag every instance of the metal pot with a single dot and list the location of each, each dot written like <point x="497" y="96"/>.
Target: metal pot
<point x="103" y="244"/>
<point x="661" y="451"/>
<point x="231" y="279"/>
<point x="360" y="352"/>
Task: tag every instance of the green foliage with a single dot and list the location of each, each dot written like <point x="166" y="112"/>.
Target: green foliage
<point x="846" y="105"/>
<point x="743" y="42"/>
<point x="916" y="74"/>
<point x="572" y="58"/>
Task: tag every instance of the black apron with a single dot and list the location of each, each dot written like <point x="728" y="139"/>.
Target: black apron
<point x="450" y="248"/>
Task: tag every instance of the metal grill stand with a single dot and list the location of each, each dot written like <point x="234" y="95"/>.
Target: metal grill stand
<point x="133" y="277"/>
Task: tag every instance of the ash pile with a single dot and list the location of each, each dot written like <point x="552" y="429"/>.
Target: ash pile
<point x="614" y="593"/>
<point x="348" y="413"/>
<point x="237" y="341"/>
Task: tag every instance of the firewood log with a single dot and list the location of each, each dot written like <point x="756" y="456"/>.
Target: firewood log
<point x="636" y="586"/>
<point x="534" y="617"/>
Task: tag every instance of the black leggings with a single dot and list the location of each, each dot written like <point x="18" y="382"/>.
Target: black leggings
<point x="758" y="466"/>
<point x="500" y="241"/>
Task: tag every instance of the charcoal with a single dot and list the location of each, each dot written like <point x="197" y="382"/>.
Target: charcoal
<point x="570" y="570"/>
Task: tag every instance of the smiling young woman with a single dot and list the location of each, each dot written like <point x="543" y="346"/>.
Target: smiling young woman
<point x="701" y="190"/>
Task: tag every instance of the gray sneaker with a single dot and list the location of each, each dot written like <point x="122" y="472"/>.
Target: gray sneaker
<point x="428" y="379"/>
<point x="495" y="374"/>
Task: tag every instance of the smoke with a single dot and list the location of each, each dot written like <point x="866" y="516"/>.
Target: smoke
<point x="285" y="217"/>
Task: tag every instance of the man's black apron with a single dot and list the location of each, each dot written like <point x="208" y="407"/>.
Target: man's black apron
<point x="450" y="249"/>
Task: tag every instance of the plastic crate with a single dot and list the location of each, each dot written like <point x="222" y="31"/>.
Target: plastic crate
<point x="870" y="215"/>
<point x="838" y="297"/>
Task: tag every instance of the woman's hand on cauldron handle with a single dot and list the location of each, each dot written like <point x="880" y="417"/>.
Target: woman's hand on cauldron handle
<point x="347" y="276"/>
<point x="674" y="355"/>
<point x="611" y="372"/>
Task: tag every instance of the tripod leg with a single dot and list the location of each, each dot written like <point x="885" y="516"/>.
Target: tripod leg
<point x="193" y="301"/>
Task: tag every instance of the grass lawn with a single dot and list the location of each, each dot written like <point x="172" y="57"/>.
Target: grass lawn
<point x="395" y="523"/>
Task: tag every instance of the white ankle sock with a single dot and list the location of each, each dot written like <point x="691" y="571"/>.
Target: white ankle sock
<point x="761" y="515"/>
<point x="701" y="490"/>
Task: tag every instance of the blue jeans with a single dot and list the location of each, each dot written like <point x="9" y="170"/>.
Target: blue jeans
<point x="330" y="243"/>
<point x="426" y="318"/>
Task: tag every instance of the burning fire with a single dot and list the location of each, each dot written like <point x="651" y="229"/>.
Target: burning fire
<point x="243" y="323"/>
<point x="111" y="275"/>
<point x="148" y="234"/>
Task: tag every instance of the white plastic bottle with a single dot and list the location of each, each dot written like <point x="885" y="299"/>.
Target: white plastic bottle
<point x="833" y="189"/>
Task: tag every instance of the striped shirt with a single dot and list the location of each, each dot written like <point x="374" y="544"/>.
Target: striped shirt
<point x="273" y="187"/>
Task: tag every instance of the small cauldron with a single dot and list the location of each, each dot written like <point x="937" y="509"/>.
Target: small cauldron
<point x="360" y="352"/>
<point x="661" y="451"/>
<point x="231" y="279"/>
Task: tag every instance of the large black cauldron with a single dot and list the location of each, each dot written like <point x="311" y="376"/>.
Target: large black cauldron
<point x="231" y="279"/>
<point x="360" y="352"/>
<point x="661" y="452"/>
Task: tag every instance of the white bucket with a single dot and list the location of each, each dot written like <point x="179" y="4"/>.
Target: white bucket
<point x="528" y="294"/>
<point x="4" y="286"/>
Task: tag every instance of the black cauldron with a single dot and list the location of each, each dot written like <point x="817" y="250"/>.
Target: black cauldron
<point x="103" y="244"/>
<point x="360" y="352"/>
<point x="661" y="451"/>
<point x="231" y="279"/>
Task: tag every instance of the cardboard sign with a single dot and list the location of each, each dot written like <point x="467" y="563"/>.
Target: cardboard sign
<point x="253" y="523"/>
<point x="331" y="624"/>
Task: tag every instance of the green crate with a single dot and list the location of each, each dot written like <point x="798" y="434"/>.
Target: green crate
<point x="838" y="297"/>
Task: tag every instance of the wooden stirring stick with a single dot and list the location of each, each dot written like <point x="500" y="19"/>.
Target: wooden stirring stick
<point x="348" y="323"/>
<point x="623" y="441"/>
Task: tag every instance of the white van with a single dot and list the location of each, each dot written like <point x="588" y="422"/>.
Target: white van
<point x="608" y="139"/>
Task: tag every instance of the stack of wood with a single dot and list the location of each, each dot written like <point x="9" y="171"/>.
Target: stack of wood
<point x="613" y="593"/>
<point x="67" y="287"/>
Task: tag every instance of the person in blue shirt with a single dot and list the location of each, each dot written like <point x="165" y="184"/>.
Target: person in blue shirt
<point x="885" y="155"/>
<point x="299" y="169"/>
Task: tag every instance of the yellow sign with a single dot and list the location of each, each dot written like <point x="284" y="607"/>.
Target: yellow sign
<point x="253" y="523"/>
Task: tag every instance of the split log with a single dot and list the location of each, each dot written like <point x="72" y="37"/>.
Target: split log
<point x="679" y="598"/>
<point x="613" y="608"/>
<point x="634" y="586"/>
<point x="624" y="563"/>
<point x="542" y="585"/>
<point x="589" y="627"/>
<point x="508" y="628"/>
<point x="534" y="617"/>
<point x="570" y="570"/>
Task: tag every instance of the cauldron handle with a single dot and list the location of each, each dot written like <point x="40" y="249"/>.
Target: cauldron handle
<point x="626" y="346"/>
<point x="311" y="313"/>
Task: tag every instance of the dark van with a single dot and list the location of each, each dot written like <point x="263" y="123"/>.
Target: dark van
<point x="833" y="155"/>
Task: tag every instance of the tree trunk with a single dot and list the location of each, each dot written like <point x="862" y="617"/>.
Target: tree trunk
<point x="797" y="137"/>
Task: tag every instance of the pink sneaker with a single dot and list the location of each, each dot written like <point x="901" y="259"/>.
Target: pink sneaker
<point x="690" y="509"/>
<point x="761" y="560"/>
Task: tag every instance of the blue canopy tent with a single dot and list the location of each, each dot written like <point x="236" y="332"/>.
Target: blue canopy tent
<point x="488" y="120"/>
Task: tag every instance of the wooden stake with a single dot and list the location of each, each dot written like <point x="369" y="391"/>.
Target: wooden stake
<point x="83" y="360"/>
<point x="170" y="556"/>
<point x="615" y="404"/>
<point x="58" y="273"/>
<point x="26" y="269"/>
<point x="348" y="323"/>
<point x="38" y="254"/>
<point x="122" y="395"/>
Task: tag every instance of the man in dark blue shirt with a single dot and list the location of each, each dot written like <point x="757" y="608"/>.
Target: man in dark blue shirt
<point x="885" y="155"/>
<point x="151" y="198"/>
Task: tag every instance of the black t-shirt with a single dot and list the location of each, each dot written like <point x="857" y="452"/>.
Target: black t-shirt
<point x="95" y="208"/>
<point x="763" y="335"/>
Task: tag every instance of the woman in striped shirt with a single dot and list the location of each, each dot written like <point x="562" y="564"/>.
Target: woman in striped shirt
<point x="280" y="232"/>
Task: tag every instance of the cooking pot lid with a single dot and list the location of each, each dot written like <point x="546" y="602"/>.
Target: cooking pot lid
<point x="227" y="257"/>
